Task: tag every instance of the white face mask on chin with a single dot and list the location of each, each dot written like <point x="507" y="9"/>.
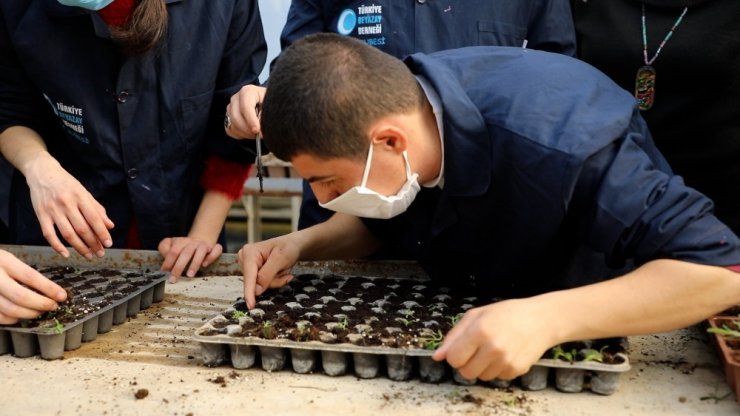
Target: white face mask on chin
<point x="362" y="201"/>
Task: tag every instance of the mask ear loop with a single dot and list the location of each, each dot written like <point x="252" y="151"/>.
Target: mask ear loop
<point x="408" y="165"/>
<point x="368" y="162"/>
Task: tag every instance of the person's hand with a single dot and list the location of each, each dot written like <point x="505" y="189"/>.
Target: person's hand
<point x="19" y="302"/>
<point x="243" y="121"/>
<point x="185" y="252"/>
<point x="266" y="265"/>
<point x="501" y="340"/>
<point x="61" y="201"/>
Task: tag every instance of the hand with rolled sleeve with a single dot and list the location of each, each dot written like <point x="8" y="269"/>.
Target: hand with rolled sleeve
<point x="241" y="112"/>
<point x="59" y="200"/>
<point x="24" y="292"/>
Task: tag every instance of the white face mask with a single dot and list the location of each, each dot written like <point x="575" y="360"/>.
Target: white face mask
<point x="86" y="4"/>
<point x="362" y="201"/>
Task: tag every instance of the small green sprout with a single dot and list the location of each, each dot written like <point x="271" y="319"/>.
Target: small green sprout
<point x="432" y="342"/>
<point x="303" y="332"/>
<point x="404" y="321"/>
<point x="726" y="330"/>
<point x="238" y="315"/>
<point x="590" y="354"/>
<point x="343" y="324"/>
<point x="267" y="329"/>
<point x="58" y="326"/>
<point x="558" y="353"/>
<point x="454" y="319"/>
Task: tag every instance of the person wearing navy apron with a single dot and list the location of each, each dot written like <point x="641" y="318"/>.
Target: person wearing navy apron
<point x="404" y="27"/>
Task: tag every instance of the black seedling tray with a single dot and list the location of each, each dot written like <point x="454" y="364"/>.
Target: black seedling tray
<point x="385" y="326"/>
<point x="101" y="298"/>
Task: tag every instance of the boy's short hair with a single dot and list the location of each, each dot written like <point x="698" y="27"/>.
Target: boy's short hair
<point x="326" y="90"/>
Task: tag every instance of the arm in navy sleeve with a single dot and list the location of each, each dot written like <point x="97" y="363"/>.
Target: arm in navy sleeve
<point x="644" y="212"/>
<point x="241" y="64"/>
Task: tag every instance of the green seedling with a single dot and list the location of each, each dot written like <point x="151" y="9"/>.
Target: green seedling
<point x="343" y="324"/>
<point x="454" y="319"/>
<point x="238" y="315"/>
<point x="590" y="354"/>
<point x="558" y="353"/>
<point x="267" y="329"/>
<point x="58" y="326"/>
<point x="432" y="342"/>
<point x="727" y="331"/>
<point x="404" y="321"/>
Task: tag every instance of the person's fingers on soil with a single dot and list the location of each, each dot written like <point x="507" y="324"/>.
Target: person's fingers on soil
<point x="25" y="274"/>
<point x="249" y="269"/>
<point x="280" y="281"/>
<point x="481" y="361"/>
<point x="9" y="306"/>
<point x="268" y="272"/>
<point x="455" y="348"/>
<point x="7" y="320"/>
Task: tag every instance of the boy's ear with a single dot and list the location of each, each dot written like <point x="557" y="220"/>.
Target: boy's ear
<point x="389" y="136"/>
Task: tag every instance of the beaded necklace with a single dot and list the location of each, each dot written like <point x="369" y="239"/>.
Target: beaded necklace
<point x="645" y="79"/>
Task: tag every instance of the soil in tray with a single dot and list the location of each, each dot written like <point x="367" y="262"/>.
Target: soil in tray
<point x="88" y="291"/>
<point x="394" y="313"/>
<point x="71" y="310"/>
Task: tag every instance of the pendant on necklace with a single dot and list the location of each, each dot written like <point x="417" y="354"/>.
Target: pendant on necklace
<point x="645" y="87"/>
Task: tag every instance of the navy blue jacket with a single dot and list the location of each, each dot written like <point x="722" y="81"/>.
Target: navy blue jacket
<point x="404" y="27"/>
<point x="543" y="153"/>
<point x="134" y="130"/>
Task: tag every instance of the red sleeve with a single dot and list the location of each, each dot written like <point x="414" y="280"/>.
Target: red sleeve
<point x="224" y="176"/>
<point x="117" y="13"/>
<point x="735" y="268"/>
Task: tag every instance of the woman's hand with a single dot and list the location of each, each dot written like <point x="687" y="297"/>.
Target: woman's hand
<point x="62" y="203"/>
<point x="185" y="252"/>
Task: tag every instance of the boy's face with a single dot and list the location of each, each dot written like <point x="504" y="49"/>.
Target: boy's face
<point x="330" y="178"/>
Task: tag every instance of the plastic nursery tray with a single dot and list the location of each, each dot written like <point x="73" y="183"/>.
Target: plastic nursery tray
<point x="406" y="296"/>
<point x="728" y="349"/>
<point x="110" y="293"/>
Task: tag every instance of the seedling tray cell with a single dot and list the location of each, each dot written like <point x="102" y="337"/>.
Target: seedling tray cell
<point x="101" y="296"/>
<point x="728" y="348"/>
<point x="386" y="322"/>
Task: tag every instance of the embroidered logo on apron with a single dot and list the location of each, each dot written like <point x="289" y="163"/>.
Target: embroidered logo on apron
<point x="71" y="119"/>
<point x="366" y="23"/>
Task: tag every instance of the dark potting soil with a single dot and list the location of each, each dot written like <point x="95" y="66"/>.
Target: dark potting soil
<point x="88" y="291"/>
<point x="388" y="312"/>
